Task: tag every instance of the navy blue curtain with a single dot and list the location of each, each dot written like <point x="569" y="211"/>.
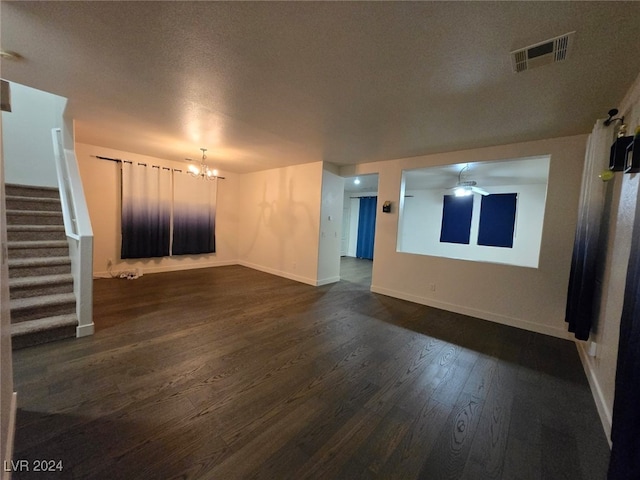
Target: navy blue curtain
<point x="366" y="227"/>
<point x="581" y="292"/>
<point x="194" y="215"/>
<point x="456" y="219"/>
<point x="497" y="220"/>
<point x="625" y="431"/>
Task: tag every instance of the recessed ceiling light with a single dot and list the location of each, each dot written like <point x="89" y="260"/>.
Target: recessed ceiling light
<point x="357" y="181"/>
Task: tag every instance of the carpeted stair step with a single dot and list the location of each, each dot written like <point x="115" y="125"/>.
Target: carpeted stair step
<point x="33" y="217"/>
<point x="14" y="202"/>
<point x="42" y="302"/>
<point x="23" y="287"/>
<point x="32" y="308"/>
<point x="16" y="233"/>
<point x="31" y="267"/>
<point x="31" y="191"/>
<point x="38" y="248"/>
<point x="43" y="330"/>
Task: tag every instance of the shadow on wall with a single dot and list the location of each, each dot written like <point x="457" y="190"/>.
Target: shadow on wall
<point x="281" y="215"/>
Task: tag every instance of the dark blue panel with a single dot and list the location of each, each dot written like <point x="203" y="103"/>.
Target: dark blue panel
<point x="456" y="219"/>
<point x="366" y="227"/>
<point x="497" y="220"/>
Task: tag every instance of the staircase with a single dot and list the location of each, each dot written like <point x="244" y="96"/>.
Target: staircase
<point x="43" y="305"/>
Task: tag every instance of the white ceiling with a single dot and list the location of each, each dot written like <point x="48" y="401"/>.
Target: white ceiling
<point x="367" y="184"/>
<point x="264" y="84"/>
<point x="523" y="171"/>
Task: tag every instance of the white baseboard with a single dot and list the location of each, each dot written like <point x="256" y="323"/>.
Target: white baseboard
<point x="490" y="316"/>
<point x="279" y="273"/>
<point x="84" y="330"/>
<point x="193" y="266"/>
<point x="164" y="268"/>
<point x="606" y="416"/>
<point x="11" y="433"/>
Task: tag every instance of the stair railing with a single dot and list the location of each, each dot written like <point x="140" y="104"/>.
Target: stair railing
<point x="77" y="225"/>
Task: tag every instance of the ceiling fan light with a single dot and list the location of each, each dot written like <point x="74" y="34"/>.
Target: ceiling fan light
<point x="462" y="191"/>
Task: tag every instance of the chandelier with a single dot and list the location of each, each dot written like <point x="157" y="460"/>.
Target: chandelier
<point x="202" y="171"/>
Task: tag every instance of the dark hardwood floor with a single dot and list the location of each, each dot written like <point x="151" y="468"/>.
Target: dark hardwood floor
<point x="229" y="373"/>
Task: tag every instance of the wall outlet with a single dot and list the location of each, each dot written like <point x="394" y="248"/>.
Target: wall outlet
<point x="109" y="262"/>
<point x="432" y="287"/>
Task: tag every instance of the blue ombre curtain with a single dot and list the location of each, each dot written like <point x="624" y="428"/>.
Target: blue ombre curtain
<point x="366" y="227"/>
<point x="146" y="211"/>
<point x="582" y="280"/>
<point x="625" y="451"/>
<point x="194" y="215"/>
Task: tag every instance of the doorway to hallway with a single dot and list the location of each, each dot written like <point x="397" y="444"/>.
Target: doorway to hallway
<point x="358" y="226"/>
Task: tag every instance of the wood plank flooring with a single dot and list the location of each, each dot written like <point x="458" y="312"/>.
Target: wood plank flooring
<point x="230" y="373"/>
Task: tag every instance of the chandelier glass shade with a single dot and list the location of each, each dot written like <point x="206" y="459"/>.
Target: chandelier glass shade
<point x="202" y="170"/>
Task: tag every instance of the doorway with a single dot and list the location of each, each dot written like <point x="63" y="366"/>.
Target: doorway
<point x="358" y="228"/>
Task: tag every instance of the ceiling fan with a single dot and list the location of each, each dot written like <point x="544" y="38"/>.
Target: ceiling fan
<point x="467" y="187"/>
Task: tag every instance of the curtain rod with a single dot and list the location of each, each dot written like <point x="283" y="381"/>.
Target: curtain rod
<point x="119" y="160"/>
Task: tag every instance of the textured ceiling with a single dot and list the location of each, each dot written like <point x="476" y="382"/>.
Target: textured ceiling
<point x="264" y="84"/>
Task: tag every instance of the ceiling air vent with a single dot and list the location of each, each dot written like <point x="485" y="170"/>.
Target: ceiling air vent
<point x="550" y="51"/>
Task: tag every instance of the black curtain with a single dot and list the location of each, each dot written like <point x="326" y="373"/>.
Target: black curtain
<point x="625" y="432"/>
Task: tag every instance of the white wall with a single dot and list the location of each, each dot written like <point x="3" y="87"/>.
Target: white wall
<point x="533" y="299"/>
<point x="28" y="147"/>
<point x="354" y="216"/>
<point x="101" y="182"/>
<point x="601" y="369"/>
<point x="279" y="212"/>
<point x="419" y="221"/>
<point x="422" y="220"/>
<point x="330" y="228"/>
<point x="267" y="220"/>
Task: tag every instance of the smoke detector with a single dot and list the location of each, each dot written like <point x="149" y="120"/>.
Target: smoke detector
<point x="550" y="51"/>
